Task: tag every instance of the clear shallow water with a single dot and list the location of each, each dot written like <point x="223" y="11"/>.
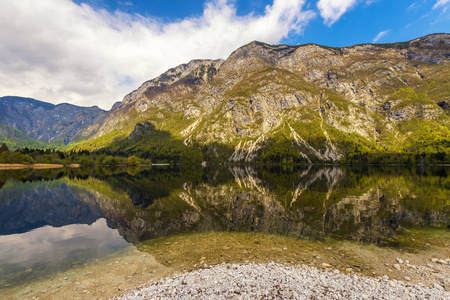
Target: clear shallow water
<point x="42" y="251"/>
<point x="52" y="220"/>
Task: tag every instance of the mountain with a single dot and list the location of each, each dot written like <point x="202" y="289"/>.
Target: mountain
<point x="304" y="103"/>
<point x="47" y="123"/>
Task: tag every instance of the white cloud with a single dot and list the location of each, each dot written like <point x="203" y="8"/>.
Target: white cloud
<point x="57" y="51"/>
<point x="57" y="244"/>
<point x="440" y="3"/>
<point x="380" y="35"/>
<point x="332" y="10"/>
<point x="413" y="5"/>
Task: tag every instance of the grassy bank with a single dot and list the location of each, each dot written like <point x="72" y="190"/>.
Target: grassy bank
<point x="32" y="166"/>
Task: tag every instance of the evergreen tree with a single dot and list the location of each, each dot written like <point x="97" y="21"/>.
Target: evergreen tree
<point x="4" y="148"/>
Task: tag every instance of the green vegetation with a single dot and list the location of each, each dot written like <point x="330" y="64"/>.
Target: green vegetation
<point x="408" y="97"/>
<point x="102" y="141"/>
<point x="3" y="148"/>
<point x="157" y="145"/>
<point x="280" y="150"/>
<point x="16" y="139"/>
<point x="16" y="158"/>
<point x="84" y="158"/>
<point x="133" y="161"/>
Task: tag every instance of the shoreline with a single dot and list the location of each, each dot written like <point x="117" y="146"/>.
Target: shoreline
<point x="75" y="165"/>
<point x="32" y="166"/>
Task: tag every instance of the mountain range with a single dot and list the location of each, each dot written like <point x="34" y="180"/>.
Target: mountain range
<point x="268" y="103"/>
<point x="47" y="123"/>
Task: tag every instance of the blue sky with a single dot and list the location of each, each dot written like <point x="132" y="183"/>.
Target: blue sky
<point x="94" y="52"/>
<point x="401" y="20"/>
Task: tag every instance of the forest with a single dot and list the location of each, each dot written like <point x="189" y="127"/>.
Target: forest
<point x="29" y="156"/>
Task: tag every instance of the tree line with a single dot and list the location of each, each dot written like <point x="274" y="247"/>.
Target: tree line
<point x="83" y="157"/>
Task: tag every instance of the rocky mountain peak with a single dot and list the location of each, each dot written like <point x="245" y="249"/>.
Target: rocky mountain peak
<point x="192" y="72"/>
<point x="253" y="56"/>
<point x="433" y="48"/>
<point x="432" y="41"/>
<point x="262" y="50"/>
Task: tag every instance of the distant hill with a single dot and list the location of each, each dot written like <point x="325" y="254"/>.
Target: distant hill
<point x="48" y="123"/>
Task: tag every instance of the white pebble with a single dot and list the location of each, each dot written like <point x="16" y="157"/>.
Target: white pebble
<point x="275" y="281"/>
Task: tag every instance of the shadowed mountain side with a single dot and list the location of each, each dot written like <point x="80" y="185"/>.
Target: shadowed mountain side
<point x="161" y="146"/>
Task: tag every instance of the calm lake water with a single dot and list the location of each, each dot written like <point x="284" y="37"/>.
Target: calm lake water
<point x="54" y="220"/>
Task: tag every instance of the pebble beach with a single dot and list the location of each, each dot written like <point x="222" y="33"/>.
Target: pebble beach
<point x="279" y="281"/>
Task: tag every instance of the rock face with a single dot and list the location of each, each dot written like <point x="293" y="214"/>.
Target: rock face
<point x="170" y="92"/>
<point x="313" y="97"/>
<point x="48" y="123"/>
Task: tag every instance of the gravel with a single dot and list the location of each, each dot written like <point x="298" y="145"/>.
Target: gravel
<point x="275" y="281"/>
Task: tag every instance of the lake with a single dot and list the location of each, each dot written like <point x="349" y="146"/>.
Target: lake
<point x="53" y="221"/>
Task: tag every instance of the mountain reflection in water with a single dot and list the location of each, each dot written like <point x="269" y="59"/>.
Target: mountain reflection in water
<point x="367" y="204"/>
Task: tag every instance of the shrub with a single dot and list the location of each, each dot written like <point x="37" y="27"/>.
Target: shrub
<point x="86" y="161"/>
<point x="133" y="161"/>
<point x="19" y="158"/>
<point x="109" y="160"/>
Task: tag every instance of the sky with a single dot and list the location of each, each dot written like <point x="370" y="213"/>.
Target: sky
<point x="94" y="52"/>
